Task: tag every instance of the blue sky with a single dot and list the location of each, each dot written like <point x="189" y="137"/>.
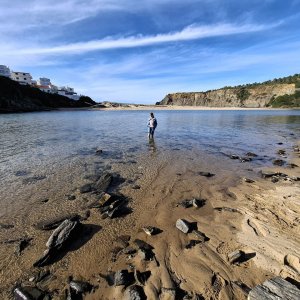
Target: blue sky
<point x="140" y="50"/>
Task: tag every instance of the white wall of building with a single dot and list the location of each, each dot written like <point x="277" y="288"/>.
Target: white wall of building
<point x="4" y="71"/>
<point x="44" y="81"/>
<point x="21" y="77"/>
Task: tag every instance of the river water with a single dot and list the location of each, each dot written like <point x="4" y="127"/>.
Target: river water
<point x="36" y="145"/>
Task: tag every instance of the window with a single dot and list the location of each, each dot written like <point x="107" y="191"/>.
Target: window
<point x="24" y="73"/>
<point x="24" y="78"/>
<point x="17" y="78"/>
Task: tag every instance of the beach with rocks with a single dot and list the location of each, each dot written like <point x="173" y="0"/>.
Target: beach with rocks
<point x="143" y="227"/>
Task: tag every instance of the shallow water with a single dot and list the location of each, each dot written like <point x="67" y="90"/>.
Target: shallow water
<point x="46" y="157"/>
<point x="33" y="143"/>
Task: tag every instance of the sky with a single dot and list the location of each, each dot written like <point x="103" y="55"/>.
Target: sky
<point x="137" y="51"/>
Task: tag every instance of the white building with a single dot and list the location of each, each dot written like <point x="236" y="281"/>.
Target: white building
<point x="4" y="71"/>
<point x="68" y="92"/>
<point x="44" y="81"/>
<point x="21" y="77"/>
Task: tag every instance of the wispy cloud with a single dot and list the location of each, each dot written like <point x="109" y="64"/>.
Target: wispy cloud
<point x="189" y="33"/>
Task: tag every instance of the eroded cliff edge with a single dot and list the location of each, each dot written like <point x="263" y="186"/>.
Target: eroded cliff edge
<point x="253" y="96"/>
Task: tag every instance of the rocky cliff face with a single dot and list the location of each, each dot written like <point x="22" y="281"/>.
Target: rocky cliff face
<point x="255" y="96"/>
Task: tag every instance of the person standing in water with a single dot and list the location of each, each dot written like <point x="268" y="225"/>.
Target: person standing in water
<point x="152" y="123"/>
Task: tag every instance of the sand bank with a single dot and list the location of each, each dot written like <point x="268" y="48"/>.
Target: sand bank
<point x="260" y="218"/>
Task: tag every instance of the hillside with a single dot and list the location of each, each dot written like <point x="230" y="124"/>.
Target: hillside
<point x="282" y="92"/>
<point x="20" y="98"/>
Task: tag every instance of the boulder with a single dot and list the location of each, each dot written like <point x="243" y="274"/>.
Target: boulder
<point x="236" y="256"/>
<point x="275" y="289"/>
<point x="61" y="234"/>
<point x="183" y="225"/>
<point x="80" y="287"/>
<point x="29" y="293"/>
<point x="278" y="162"/>
<point x="58" y="240"/>
<point x="134" y="292"/>
<point x="104" y="182"/>
<point x="123" y="277"/>
<point x="150" y="230"/>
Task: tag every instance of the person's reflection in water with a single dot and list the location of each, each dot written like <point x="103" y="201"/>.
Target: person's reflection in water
<point x="152" y="146"/>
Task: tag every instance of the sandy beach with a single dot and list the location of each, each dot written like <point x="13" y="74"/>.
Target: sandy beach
<point x="177" y="107"/>
<point x="256" y="216"/>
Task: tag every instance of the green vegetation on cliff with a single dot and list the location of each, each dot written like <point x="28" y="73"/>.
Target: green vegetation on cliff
<point x="20" y="98"/>
<point x="286" y="100"/>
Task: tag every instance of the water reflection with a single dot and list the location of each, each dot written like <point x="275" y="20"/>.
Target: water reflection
<point x="152" y="145"/>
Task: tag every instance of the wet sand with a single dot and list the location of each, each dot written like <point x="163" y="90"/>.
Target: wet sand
<point x="260" y="218"/>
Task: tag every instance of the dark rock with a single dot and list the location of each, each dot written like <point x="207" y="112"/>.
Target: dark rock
<point x="99" y="151"/>
<point x="236" y="256"/>
<point x="80" y="287"/>
<point x="150" y="230"/>
<point x="274" y="179"/>
<point x="183" y="225"/>
<point x="145" y="254"/>
<point x="233" y="156"/>
<point x="248" y="180"/>
<point x="142" y="245"/>
<point x="134" y="292"/>
<point x="193" y="202"/>
<point x="281" y="152"/>
<point x="104" y="182"/>
<point x="275" y="289"/>
<point x="136" y="187"/>
<point x="45" y="200"/>
<point x="55" y="222"/>
<point x="123" y="277"/>
<point x="22" y="173"/>
<point x="71" y="197"/>
<point x="251" y="154"/>
<point x="24" y="243"/>
<point x="245" y="159"/>
<point x="33" y="179"/>
<point x="141" y="277"/>
<point x="57" y="241"/>
<point x="279" y="143"/>
<point x="29" y="293"/>
<point x="61" y="234"/>
<point x="206" y="174"/>
<point x="292" y="165"/>
<point x="278" y="162"/>
<point x="87" y="188"/>
<point x="6" y="226"/>
<point x="267" y="174"/>
<point x="198" y="202"/>
<point x="192" y="244"/>
<point x="129" y="250"/>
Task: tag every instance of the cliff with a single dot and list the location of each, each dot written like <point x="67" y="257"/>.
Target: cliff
<point x="259" y="95"/>
<point x="20" y="98"/>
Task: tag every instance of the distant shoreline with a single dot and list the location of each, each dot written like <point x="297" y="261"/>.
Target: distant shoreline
<point x="177" y="107"/>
